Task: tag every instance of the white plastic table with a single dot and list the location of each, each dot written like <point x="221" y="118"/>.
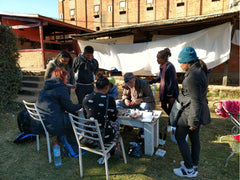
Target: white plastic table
<point x="151" y="131"/>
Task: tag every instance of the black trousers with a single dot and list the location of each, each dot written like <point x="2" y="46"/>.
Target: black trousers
<point x="166" y="106"/>
<point x="190" y="158"/>
<point x="82" y="90"/>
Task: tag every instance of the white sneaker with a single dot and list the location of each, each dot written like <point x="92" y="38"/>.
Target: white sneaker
<point x="101" y="160"/>
<point x="184" y="172"/>
<point x="194" y="167"/>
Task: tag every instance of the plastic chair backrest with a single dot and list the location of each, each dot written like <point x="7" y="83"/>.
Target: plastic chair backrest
<point x="34" y="113"/>
<point x="84" y="127"/>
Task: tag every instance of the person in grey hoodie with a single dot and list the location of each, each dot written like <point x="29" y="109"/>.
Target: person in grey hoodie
<point x="85" y="67"/>
<point x="62" y="60"/>
<point x="196" y="112"/>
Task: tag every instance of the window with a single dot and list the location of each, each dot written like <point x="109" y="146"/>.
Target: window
<point x="149" y="8"/>
<point x="180" y="4"/>
<point x="149" y="1"/>
<point x="122" y="12"/>
<point x="109" y="8"/>
<point x="97" y="28"/>
<point x="96" y="8"/>
<point x="96" y="16"/>
<point x="122" y="4"/>
<point x="61" y="16"/>
<point x="72" y="11"/>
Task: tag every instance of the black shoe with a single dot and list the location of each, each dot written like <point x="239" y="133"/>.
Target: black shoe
<point x="127" y="129"/>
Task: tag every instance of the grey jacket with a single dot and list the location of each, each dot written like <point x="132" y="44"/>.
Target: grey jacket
<point x="143" y="91"/>
<point x="55" y="63"/>
<point x="194" y="92"/>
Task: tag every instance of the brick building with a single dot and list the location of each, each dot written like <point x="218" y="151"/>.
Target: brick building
<point x="102" y="14"/>
<point x="118" y="18"/>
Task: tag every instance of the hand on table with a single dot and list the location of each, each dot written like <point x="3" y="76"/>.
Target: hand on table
<point x="136" y="101"/>
<point x="127" y="102"/>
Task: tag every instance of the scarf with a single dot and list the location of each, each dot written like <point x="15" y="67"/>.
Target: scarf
<point x="162" y="82"/>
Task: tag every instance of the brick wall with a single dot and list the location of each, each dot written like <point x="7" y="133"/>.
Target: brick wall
<point x="26" y="60"/>
<point x="233" y="62"/>
<point x="135" y="11"/>
<point x="139" y="11"/>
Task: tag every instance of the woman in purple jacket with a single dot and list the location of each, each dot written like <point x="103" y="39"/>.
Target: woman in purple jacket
<point x="168" y="90"/>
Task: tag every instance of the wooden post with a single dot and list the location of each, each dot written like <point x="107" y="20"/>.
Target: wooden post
<point x="225" y="74"/>
<point x="167" y="9"/>
<point x="42" y="44"/>
<point x="86" y="17"/>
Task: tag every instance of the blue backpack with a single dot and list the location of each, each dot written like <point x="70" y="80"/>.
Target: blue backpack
<point x="25" y="137"/>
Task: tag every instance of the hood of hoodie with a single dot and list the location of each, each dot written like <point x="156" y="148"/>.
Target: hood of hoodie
<point x="52" y="83"/>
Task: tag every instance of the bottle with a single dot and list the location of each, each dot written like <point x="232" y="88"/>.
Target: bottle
<point x="57" y="155"/>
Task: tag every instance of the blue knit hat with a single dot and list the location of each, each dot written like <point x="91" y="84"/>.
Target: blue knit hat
<point x="187" y="55"/>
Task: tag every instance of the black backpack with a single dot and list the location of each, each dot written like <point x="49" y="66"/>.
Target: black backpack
<point x="24" y="124"/>
<point x="24" y="121"/>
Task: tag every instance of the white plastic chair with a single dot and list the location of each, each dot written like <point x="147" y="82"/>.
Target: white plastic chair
<point x="82" y="127"/>
<point x="34" y="113"/>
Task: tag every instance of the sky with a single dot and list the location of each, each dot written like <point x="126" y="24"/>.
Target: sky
<point x="47" y="8"/>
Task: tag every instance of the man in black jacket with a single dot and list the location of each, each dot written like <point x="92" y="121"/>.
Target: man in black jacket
<point x="85" y="67"/>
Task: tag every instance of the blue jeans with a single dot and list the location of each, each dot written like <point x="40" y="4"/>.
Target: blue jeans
<point x="143" y="106"/>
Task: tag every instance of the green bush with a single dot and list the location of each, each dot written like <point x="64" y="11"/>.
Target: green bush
<point x="10" y="72"/>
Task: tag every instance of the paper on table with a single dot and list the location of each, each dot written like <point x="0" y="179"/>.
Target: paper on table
<point x="156" y="113"/>
<point x="146" y="120"/>
<point x="147" y="116"/>
<point x="160" y="152"/>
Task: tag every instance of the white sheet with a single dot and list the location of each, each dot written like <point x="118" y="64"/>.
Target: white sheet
<point x="236" y="39"/>
<point x="212" y="46"/>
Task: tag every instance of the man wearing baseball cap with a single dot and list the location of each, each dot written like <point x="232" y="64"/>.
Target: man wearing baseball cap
<point x="137" y="93"/>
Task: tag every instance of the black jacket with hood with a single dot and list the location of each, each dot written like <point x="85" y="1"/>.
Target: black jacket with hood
<point x="53" y="103"/>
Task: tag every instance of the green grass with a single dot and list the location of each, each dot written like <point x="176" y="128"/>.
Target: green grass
<point x="22" y="161"/>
